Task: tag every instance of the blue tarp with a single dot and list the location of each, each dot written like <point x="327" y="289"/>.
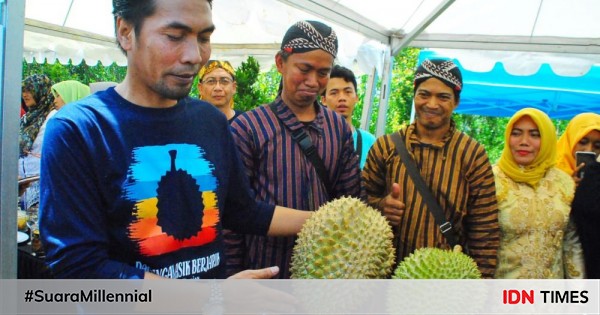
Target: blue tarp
<point x="500" y="94"/>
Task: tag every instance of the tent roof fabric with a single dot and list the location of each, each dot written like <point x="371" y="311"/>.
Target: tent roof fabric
<point x="496" y="92"/>
<point x="531" y="32"/>
<point x="84" y="30"/>
<point x="255" y="27"/>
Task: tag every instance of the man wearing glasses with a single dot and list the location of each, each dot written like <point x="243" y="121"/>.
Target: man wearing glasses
<point x="217" y="86"/>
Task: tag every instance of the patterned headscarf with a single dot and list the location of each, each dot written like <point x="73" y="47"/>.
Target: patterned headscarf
<point x="71" y="90"/>
<point x="577" y="128"/>
<point x="305" y="36"/>
<point x="445" y="70"/>
<point x="211" y="65"/>
<point x="40" y="87"/>
<point x="546" y="157"/>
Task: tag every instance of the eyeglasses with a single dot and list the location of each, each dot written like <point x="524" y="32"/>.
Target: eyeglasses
<point x="213" y="81"/>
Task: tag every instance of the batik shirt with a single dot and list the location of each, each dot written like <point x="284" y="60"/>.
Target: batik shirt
<point x="281" y="174"/>
<point x="459" y="174"/>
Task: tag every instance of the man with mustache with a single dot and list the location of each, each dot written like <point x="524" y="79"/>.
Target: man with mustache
<point x="280" y="172"/>
<point x="454" y="166"/>
<point x="139" y="180"/>
<point x="217" y="85"/>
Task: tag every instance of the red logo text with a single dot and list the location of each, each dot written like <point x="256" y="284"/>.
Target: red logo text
<point x="516" y="297"/>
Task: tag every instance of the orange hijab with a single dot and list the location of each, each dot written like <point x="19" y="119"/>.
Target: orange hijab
<point x="577" y="128"/>
<point x="546" y="157"/>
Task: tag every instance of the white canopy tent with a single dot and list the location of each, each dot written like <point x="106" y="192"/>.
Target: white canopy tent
<point x="370" y="32"/>
<point x="249" y="26"/>
<point x="83" y="30"/>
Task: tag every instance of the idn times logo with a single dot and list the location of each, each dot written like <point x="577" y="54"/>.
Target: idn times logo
<point x="513" y="296"/>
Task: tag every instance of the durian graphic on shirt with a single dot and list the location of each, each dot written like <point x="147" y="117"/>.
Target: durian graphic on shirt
<point x="175" y="204"/>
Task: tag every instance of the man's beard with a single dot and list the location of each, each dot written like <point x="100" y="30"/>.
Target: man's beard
<point x="173" y="93"/>
<point x="430" y="125"/>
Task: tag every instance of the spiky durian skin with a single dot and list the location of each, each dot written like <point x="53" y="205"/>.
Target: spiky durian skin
<point x="344" y="239"/>
<point x="435" y="263"/>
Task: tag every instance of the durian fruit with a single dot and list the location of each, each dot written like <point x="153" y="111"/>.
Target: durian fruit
<point x="435" y="263"/>
<point x="344" y="239"/>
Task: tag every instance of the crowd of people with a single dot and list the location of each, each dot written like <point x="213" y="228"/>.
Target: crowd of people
<point x="41" y="99"/>
<point x="140" y="180"/>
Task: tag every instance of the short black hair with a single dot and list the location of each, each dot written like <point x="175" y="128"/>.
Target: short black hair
<point x="134" y="12"/>
<point x="344" y="73"/>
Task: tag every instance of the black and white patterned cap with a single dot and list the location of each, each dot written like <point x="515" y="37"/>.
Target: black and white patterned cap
<point x="445" y="70"/>
<point x="306" y="36"/>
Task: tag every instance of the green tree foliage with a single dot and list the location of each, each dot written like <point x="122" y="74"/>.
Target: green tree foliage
<point x="268" y="84"/>
<point x="83" y="73"/>
<point x="401" y="92"/>
<point x="488" y="131"/>
<point x="255" y="88"/>
<point x="248" y="94"/>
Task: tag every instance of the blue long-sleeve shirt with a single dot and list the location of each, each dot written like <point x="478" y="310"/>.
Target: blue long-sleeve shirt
<point x="127" y="189"/>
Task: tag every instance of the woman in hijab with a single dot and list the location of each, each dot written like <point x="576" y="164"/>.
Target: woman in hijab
<point x="582" y="134"/>
<point x="37" y="96"/>
<point x="534" y="201"/>
<point x="586" y="215"/>
<point x="68" y="91"/>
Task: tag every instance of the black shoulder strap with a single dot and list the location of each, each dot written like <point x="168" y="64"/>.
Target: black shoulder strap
<point x="308" y="148"/>
<point x="434" y="207"/>
<point x="359" y="145"/>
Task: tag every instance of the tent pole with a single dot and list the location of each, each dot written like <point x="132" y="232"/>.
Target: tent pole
<point x="386" y="81"/>
<point x="333" y="11"/>
<point x="68" y="13"/>
<point x="367" y="110"/>
<point x="412" y="112"/>
<point x="12" y="14"/>
<point x="408" y="38"/>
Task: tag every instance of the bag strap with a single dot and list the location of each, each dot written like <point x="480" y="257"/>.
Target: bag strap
<point x="434" y="207"/>
<point x="308" y="148"/>
<point x="359" y="145"/>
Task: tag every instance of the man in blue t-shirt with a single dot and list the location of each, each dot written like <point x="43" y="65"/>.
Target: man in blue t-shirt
<point x="138" y="181"/>
<point x="340" y="96"/>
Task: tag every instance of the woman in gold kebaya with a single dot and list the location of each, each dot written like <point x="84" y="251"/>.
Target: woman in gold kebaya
<point x="538" y="240"/>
